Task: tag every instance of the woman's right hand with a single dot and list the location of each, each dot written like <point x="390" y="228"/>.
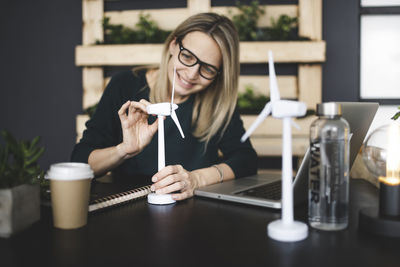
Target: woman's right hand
<point x="136" y="132"/>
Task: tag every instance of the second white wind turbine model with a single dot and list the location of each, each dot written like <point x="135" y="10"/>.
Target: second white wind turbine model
<point x="285" y="229"/>
<point x="161" y="110"/>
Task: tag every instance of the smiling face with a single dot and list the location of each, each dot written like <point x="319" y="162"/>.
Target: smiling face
<point x="188" y="79"/>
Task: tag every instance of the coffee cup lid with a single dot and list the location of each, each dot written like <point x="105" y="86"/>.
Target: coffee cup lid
<point x="69" y="171"/>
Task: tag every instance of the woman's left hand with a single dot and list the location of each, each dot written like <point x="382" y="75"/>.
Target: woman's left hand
<point x="175" y="179"/>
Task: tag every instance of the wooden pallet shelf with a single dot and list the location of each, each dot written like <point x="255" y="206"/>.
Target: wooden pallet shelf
<point x="309" y="55"/>
<point x="250" y="52"/>
<point x="266" y="139"/>
<point x="288" y="86"/>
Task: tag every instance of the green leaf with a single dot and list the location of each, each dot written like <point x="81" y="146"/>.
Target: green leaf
<point x="34" y="142"/>
<point x="35" y="157"/>
<point x="246" y="21"/>
<point x="18" y="160"/>
<point x="10" y="140"/>
<point x="396" y="116"/>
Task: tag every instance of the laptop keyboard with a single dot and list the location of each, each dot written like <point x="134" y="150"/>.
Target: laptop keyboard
<point x="268" y="191"/>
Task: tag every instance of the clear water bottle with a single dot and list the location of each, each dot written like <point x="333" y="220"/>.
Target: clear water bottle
<point x="328" y="194"/>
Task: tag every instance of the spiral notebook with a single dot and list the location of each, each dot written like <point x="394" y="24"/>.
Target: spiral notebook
<point x="119" y="198"/>
<point x="108" y="192"/>
<point x="112" y="190"/>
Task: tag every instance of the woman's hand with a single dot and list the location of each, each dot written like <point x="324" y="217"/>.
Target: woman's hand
<point x="172" y="179"/>
<point x="136" y="132"/>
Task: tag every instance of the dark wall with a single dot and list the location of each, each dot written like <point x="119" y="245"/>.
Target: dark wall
<point x="341" y="33"/>
<point x="41" y="88"/>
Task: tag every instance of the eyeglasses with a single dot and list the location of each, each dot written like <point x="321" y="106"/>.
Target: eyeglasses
<point x="188" y="59"/>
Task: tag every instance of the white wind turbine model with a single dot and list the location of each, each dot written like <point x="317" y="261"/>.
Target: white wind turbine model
<point x="285" y="229"/>
<point x="163" y="109"/>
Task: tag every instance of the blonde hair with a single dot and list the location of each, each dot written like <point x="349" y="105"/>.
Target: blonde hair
<point x="213" y="106"/>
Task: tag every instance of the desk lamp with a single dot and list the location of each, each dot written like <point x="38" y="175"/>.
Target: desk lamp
<point x="163" y="109"/>
<point x="381" y="154"/>
<point x="285" y="229"/>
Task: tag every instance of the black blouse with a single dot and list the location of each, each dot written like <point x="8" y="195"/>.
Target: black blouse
<point x="104" y="130"/>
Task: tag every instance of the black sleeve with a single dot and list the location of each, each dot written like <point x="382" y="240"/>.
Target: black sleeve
<point x="104" y="128"/>
<point x="241" y="157"/>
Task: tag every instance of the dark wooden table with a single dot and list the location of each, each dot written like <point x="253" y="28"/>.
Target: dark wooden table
<point x="198" y="232"/>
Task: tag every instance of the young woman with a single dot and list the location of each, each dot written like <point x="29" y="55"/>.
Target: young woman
<point x="120" y="136"/>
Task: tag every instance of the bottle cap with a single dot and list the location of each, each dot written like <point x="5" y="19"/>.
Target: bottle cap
<point x="329" y="109"/>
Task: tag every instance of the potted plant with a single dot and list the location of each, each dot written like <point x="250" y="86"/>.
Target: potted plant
<point x="20" y="177"/>
<point x="146" y="31"/>
<point x="282" y="29"/>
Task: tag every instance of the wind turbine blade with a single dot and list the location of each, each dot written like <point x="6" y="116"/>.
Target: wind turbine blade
<point x="295" y="125"/>
<point x="175" y="119"/>
<point x="261" y="117"/>
<point x="273" y="84"/>
<point x="173" y="89"/>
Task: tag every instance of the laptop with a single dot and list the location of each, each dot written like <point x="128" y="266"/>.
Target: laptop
<point x="265" y="189"/>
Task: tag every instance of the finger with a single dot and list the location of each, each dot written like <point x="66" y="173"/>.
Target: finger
<point x="169" y="180"/>
<point x="144" y="116"/>
<point x="166" y="171"/>
<point x="137" y="114"/>
<point x="145" y="102"/>
<point x="140" y="106"/>
<point x="122" y="110"/>
<point x="171" y="188"/>
<point x="131" y="109"/>
<point x="153" y="127"/>
<point x="181" y="196"/>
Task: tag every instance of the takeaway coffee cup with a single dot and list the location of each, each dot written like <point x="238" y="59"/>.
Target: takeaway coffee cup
<point x="70" y="189"/>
